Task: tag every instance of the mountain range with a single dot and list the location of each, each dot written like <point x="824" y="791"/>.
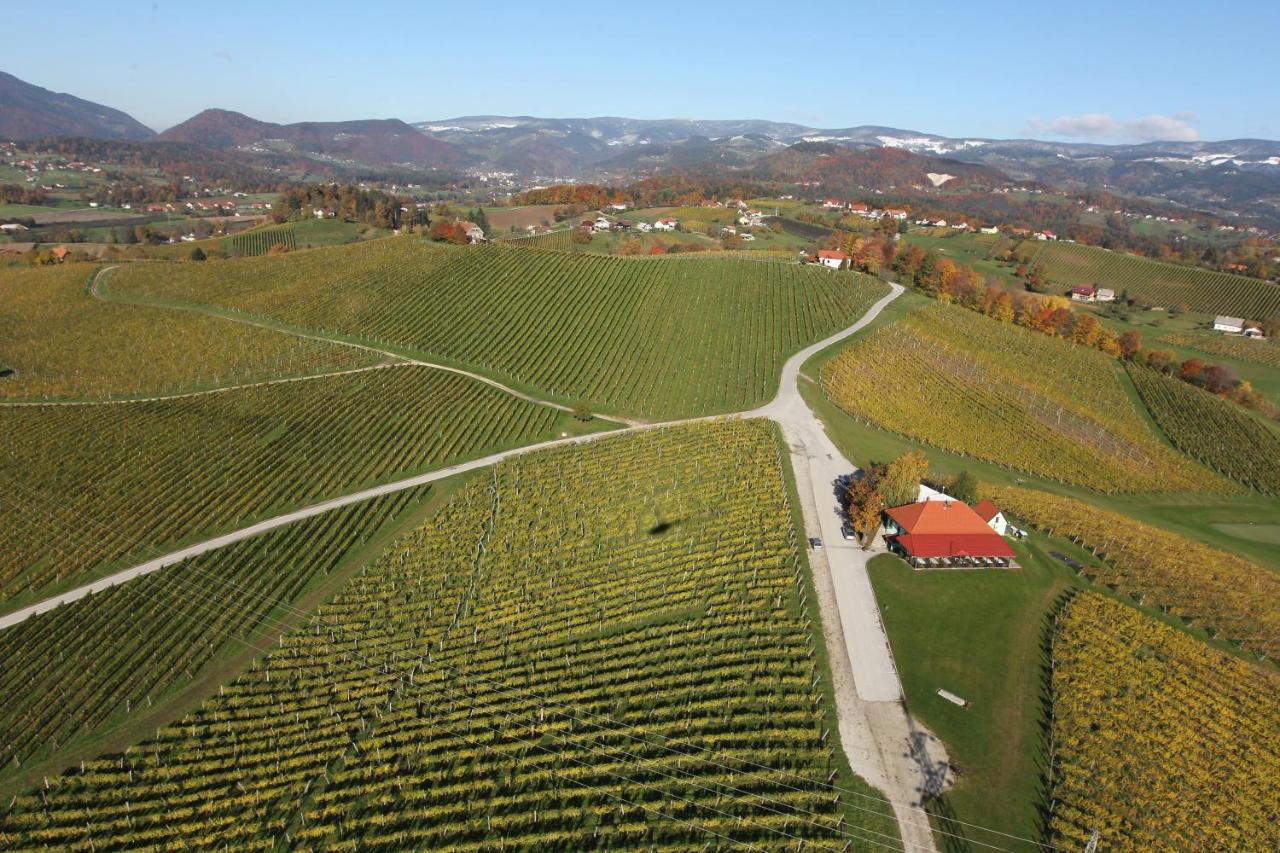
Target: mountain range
<point x="1236" y="176"/>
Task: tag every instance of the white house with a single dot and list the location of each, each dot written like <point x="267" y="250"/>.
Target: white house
<point x="1105" y="294"/>
<point x="895" y="213"/>
<point x="475" y="233"/>
<point x="1230" y="325"/>
<point x="644" y="227"/>
<point x="666" y="224"/>
<point x="1254" y="332"/>
<point x="728" y="231"/>
<point x="13" y="228"/>
<point x="991" y="514"/>
<point x="989" y="229"/>
<point x="833" y="204"/>
<point x="832" y="258"/>
<point x="601" y="224"/>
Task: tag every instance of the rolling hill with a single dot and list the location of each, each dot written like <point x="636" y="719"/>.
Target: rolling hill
<point x="31" y="112"/>
<point x="367" y="141"/>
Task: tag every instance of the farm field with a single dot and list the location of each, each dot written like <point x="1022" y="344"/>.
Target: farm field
<point x="1159" y="740"/>
<point x="164" y="472"/>
<point x="957" y="380"/>
<point x="1227" y="596"/>
<point x="1154" y="282"/>
<point x="657" y="338"/>
<point x="1263" y="352"/>
<point x="1217" y="433"/>
<point x="259" y="241"/>
<point x="62" y="343"/>
<point x="131" y="646"/>
<point x="495" y="680"/>
<point x="503" y="219"/>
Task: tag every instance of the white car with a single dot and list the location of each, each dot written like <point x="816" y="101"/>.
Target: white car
<point x="815" y="543"/>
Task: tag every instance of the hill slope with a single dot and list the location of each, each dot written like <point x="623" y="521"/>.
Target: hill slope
<point x="30" y="112"/>
<point x="368" y="140"/>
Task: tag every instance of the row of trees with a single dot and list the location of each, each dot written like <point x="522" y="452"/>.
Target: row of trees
<point x="350" y="203"/>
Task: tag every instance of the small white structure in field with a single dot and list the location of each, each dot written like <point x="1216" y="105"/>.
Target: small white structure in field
<point x="989" y="229"/>
<point x="1230" y="325"/>
<point x="952" y="698"/>
<point x="601" y="224"/>
<point x="832" y="258"/>
<point x="644" y="227"/>
<point x="666" y="224"/>
<point x="1105" y="294"/>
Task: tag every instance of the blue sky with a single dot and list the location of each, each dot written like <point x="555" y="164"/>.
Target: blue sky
<point x="1107" y="72"/>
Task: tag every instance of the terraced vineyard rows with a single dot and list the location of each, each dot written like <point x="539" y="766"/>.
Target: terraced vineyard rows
<point x="644" y="336"/>
<point x="73" y="670"/>
<point x="157" y="471"/>
<point x="63" y="343"/>
<point x="971" y="385"/>
<point x="1265" y="352"/>
<point x="556" y="240"/>
<point x="1212" y="430"/>
<point x="1226" y="595"/>
<point x="259" y="241"/>
<point x="598" y="647"/>
<point x="1154" y="282"/>
<point x="1161" y="742"/>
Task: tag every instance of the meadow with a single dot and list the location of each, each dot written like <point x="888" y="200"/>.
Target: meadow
<point x="960" y="381"/>
<point x="62" y="343"/>
<point x="604" y="646"/>
<point x="1153" y="282"/>
<point x="656" y="338"/>
<point x="151" y="474"/>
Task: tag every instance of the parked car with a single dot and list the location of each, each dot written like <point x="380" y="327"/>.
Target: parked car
<point x="815" y="543"/>
<point x="846" y="530"/>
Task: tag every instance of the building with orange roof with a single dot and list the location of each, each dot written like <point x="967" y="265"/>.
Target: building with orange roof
<point x="946" y="534"/>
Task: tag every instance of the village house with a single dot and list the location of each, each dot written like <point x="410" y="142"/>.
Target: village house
<point x="475" y="234"/>
<point x="1105" y="294"/>
<point x="833" y="258"/>
<point x="942" y="534"/>
<point x="728" y="231"/>
<point x="1230" y="325"/>
<point x="587" y="225"/>
<point x="833" y="204"/>
<point x="988" y="229"/>
<point x="644" y="227"/>
<point x="1083" y="293"/>
<point x="991" y="514"/>
<point x="666" y="224"/>
<point x="1046" y="235"/>
<point x="895" y="213"/>
<point x="601" y="224"/>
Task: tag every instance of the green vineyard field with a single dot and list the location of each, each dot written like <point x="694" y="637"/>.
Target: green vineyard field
<point x="603" y="646"/>
<point x="259" y="241"/>
<point x="1212" y="430"/>
<point x="126" y="647"/>
<point x="1160" y="742"/>
<point x="1153" y="282"/>
<point x="1264" y="352"/>
<point x="971" y="385"/>
<point x="163" y="471"/>
<point x="63" y="343"/>
<point x="1224" y="594"/>
<point x="650" y="337"/>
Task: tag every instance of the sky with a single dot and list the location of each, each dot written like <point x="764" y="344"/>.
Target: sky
<point x="1084" y="71"/>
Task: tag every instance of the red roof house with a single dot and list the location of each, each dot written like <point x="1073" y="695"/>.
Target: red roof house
<point x="1084" y="293"/>
<point x="832" y="258"/>
<point x="945" y="534"/>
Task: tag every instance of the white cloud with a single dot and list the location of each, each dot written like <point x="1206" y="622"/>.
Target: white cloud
<point x="1178" y="127"/>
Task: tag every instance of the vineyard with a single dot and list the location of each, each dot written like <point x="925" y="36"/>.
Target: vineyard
<point x="598" y="647"/>
<point x="1160" y="742"/>
<point x="63" y="343"/>
<point x="1226" y="595"/>
<point x="165" y="471"/>
<point x="555" y="240"/>
<point x="127" y="647"/>
<point x="259" y="241"/>
<point x="646" y="336"/>
<point x="971" y="385"/>
<point x="1264" y="352"/>
<point x="1153" y="282"/>
<point x="1212" y="430"/>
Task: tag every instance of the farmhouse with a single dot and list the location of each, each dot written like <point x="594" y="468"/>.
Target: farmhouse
<point x="945" y="534"/>
<point x="833" y="204"/>
<point x="12" y="228"/>
<point x="989" y="229"/>
<point x="644" y="227"/>
<point x="1084" y="293"/>
<point x="991" y="514"/>
<point x="832" y="258"/>
<point x="601" y="224"/>
<point x="475" y="233"/>
<point x="895" y="213"/>
<point x="1230" y="325"/>
<point x="1105" y="294"/>
<point x="666" y="224"/>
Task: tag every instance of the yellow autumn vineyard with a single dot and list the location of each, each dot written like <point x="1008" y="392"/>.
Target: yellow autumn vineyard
<point x="956" y="380"/>
<point x="1227" y="595"/>
<point x="1158" y="741"/>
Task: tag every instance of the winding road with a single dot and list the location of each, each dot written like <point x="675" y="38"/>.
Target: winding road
<point x="884" y="745"/>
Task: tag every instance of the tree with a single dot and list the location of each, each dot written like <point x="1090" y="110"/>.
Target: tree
<point x="197" y="254"/>
<point x="863" y="503"/>
<point x="901" y="481"/>
<point x="965" y="487"/>
<point x="1130" y="343"/>
<point x="1271" y="326"/>
<point x="1218" y="378"/>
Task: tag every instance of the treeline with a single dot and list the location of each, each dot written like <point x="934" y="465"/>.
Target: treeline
<point x="349" y="203"/>
<point x="666" y="191"/>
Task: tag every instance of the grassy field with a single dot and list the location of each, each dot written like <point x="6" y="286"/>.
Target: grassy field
<point x="503" y="219"/>
<point x="1153" y="282"/>
<point x="657" y="338"/>
<point x="960" y="381"/>
<point x="494" y="680"/>
<point x="64" y="344"/>
<point x="162" y="473"/>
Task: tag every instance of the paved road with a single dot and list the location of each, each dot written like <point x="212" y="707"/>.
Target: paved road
<point x="884" y="745"/>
